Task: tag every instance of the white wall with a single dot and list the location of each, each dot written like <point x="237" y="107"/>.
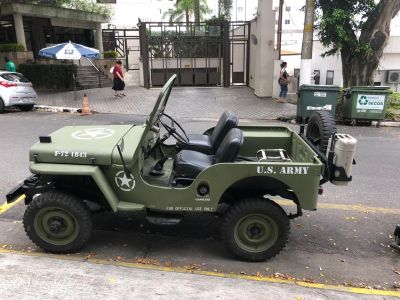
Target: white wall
<point x="263" y="53"/>
<point x="332" y="63"/>
<point x="127" y="12"/>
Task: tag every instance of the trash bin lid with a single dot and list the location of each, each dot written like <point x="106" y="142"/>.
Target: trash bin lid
<point x="381" y="89"/>
<point x="319" y="87"/>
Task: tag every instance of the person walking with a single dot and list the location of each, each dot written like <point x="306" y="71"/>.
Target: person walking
<point x="119" y="83"/>
<point x="283" y="82"/>
<point x="9" y="65"/>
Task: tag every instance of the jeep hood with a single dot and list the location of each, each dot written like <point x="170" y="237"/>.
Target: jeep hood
<point x="81" y="144"/>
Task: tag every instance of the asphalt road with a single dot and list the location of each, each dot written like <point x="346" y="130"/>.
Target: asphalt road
<point x="338" y="244"/>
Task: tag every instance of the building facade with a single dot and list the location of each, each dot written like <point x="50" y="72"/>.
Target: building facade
<point x="36" y="27"/>
<point x="328" y="70"/>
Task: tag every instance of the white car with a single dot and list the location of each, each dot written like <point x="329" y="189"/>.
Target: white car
<point x="17" y="91"/>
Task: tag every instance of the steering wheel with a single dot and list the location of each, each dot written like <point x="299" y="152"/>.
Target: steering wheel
<point x="180" y="135"/>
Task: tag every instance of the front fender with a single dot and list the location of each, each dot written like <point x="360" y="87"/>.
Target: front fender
<point x="85" y="170"/>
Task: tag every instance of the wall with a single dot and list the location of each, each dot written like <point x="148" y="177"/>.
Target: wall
<point x="18" y="57"/>
<point x="262" y="52"/>
<point x="332" y="63"/>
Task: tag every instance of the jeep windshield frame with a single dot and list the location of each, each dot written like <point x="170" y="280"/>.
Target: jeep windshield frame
<point x="161" y="103"/>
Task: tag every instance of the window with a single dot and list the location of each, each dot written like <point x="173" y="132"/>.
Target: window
<point x="106" y="1"/>
<point x="287" y="21"/>
<point x="329" y="77"/>
<point x="317" y="76"/>
<point x="287" y="8"/>
<point x="240" y="9"/>
<point x="15" y="77"/>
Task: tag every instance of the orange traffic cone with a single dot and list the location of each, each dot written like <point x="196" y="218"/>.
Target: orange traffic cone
<point x="85" y="106"/>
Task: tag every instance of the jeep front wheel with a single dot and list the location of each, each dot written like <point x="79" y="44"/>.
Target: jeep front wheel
<point x="58" y="222"/>
<point x="255" y="229"/>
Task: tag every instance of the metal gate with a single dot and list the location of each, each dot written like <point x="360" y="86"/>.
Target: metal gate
<point x="201" y="54"/>
<point x="193" y="51"/>
<point x="126" y="43"/>
<point x="239" y="33"/>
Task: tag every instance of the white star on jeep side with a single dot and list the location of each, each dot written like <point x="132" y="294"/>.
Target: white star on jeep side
<point x="125" y="183"/>
<point x="92" y="133"/>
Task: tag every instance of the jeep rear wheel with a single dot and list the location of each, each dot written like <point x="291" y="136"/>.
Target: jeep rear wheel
<point x="255" y="229"/>
<point x="58" y="222"/>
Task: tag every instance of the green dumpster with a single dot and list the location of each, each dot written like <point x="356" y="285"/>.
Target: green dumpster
<point x="365" y="103"/>
<point x="316" y="97"/>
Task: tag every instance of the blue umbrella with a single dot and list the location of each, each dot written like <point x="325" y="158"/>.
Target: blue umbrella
<point x="69" y="51"/>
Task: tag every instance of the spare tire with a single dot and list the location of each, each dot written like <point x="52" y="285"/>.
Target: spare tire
<point x="320" y="128"/>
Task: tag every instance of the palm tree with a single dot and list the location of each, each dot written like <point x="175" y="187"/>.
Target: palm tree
<point x="186" y="9"/>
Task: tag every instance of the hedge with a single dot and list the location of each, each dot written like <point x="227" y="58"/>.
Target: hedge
<point x="11" y="48"/>
<point x="393" y="109"/>
<point x="57" y="76"/>
<point x="110" y="54"/>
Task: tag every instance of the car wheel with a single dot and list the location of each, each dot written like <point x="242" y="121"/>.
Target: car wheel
<point x="26" y="107"/>
<point x="255" y="229"/>
<point x="58" y="222"/>
<point x="320" y="127"/>
<point x="2" y="106"/>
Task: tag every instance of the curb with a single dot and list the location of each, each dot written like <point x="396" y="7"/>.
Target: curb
<point x="48" y="108"/>
<point x="76" y="110"/>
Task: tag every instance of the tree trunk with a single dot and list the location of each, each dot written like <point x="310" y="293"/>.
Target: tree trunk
<point x="187" y="17"/>
<point x="360" y="69"/>
<point x="197" y="12"/>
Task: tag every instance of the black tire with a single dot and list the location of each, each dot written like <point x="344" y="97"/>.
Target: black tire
<point x="26" y="107"/>
<point x="267" y="241"/>
<point x="58" y="222"/>
<point x="320" y="127"/>
<point x="2" y="106"/>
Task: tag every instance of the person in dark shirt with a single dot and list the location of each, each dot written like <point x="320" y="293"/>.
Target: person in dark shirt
<point x="283" y="82"/>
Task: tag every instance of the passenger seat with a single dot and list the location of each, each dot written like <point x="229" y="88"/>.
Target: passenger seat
<point x="208" y="144"/>
<point x="188" y="164"/>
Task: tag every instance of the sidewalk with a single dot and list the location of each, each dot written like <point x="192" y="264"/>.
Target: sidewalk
<point x="185" y="102"/>
<point x="37" y="276"/>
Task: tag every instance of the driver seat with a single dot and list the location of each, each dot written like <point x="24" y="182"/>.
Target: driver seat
<point x="208" y="144"/>
<point x="188" y="164"/>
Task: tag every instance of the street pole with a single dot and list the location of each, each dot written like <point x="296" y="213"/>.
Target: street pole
<point x="279" y="33"/>
<point x="307" y="46"/>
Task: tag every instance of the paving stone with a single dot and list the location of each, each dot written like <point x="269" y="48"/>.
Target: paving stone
<point x="184" y="102"/>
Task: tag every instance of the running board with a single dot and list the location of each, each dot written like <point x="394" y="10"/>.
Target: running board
<point x="129" y="206"/>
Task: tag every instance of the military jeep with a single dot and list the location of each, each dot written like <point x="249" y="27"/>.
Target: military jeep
<point x="229" y="170"/>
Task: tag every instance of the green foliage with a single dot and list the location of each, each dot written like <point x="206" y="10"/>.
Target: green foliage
<point x="189" y="43"/>
<point x="339" y="23"/>
<point x="110" y="54"/>
<point x="11" y="48"/>
<point x="85" y="5"/>
<point x="393" y="109"/>
<point x="42" y="76"/>
<point x="224" y="9"/>
<point x="184" y="9"/>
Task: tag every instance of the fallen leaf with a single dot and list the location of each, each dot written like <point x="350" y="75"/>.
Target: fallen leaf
<point x="396" y="271"/>
<point x="90" y="255"/>
<point x="193" y="267"/>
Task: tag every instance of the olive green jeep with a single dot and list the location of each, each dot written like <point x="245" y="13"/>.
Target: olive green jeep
<point x="229" y="170"/>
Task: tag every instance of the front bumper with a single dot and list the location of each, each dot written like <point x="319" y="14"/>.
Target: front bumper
<point x="30" y="187"/>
